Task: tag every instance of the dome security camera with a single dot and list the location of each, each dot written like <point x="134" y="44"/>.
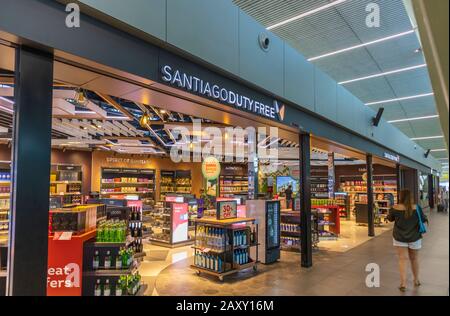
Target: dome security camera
<point x="264" y="42"/>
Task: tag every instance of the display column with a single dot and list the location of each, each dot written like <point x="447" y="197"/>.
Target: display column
<point x="398" y="172"/>
<point x="331" y="176"/>
<point x="27" y="251"/>
<point x="370" y="201"/>
<point x="431" y="190"/>
<point x="305" y="201"/>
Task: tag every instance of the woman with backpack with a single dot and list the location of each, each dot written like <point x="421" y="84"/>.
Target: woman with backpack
<point x="407" y="233"/>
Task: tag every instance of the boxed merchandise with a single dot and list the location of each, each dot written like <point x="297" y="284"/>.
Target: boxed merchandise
<point x="77" y="220"/>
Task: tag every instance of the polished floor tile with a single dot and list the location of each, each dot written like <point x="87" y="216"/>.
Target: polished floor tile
<point x="337" y="270"/>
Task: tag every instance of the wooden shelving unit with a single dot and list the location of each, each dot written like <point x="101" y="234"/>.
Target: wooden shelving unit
<point x="5" y="188"/>
<point x="66" y="184"/>
<point x="124" y="181"/>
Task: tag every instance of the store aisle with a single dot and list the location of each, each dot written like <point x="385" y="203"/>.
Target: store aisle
<point x="352" y="235"/>
<point x="157" y="259"/>
<point x="333" y="273"/>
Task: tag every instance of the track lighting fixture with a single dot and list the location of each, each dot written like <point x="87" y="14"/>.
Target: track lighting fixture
<point x="144" y="120"/>
<point x="81" y="98"/>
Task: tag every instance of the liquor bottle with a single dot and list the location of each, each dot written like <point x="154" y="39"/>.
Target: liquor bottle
<point x="98" y="288"/>
<point x="107" y="289"/>
<point x="138" y="215"/>
<point x="219" y="264"/>
<point x="132" y="229"/>
<point x="119" y="260"/>
<point x="129" y="256"/>
<point x="139" y="230"/>
<point x="108" y="260"/>
<point x="132" y="214"/>
<point x="96" y="260"/>
<point x="118" y="289"/>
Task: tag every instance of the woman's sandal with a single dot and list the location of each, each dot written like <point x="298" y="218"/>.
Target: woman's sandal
<point x="417" y="283"/>
<point x="402" y="288"/>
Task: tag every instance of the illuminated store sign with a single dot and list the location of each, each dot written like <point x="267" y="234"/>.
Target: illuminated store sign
<point x="211" y="168"/>
<point x="389" y="156"/>
<point x="210" y="90"/>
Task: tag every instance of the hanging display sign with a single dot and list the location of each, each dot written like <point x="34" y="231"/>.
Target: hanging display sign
<point x="211" y="168"/>
<point x="392" y="157"/>
<point x="220" y="93"/>
<point x="226" y="210"/>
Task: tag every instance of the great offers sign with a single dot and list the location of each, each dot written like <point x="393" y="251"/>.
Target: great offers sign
<point x="206" y="88"/>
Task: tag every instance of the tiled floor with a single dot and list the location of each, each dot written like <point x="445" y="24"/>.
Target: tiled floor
<point x="351" y="236"/>
<point x="340" y="272"/>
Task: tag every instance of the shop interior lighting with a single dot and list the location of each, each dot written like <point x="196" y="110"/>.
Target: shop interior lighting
<point x="271" y="143"/>
<point x="362" y="45"/>
<point x="311" y="12"/>
<point x="81" y="98"/>
<point x="414" y="119"/>
<point x="144" y="120"/>
<point x="383" y="74"/>
<point x="85" y="112"/>
<point x="401" y="99"/>
<point x="427" y="137"/>
<point x="439" y="150"/>
<point x="7" y="100"/>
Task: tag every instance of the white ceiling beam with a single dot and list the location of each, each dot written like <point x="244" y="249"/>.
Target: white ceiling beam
<point x="124" y="128"/>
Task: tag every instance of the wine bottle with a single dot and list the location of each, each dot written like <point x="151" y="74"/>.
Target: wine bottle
<point x="98" y="288"/>
<point x="96" y="260"/>
<point x="119" y="260"/>
<point x="118" y="287"/>
<point x="108" y="260"/>
<point x="107" y="289"/>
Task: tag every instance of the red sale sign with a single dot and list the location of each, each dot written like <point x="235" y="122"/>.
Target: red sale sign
<point x="226" y="209"/>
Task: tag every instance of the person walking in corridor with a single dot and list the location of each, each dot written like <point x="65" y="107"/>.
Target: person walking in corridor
<point x="407" y="235"/>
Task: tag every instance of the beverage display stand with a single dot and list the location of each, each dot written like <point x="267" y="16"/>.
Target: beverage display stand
<point x="290" y="230"/>
<point x="232" y="253"/>
<point x="328" y="221"/>
<point x="98" y="272"/>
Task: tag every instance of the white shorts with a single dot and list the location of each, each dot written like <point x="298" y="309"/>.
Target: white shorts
<point x="411" y="245"/>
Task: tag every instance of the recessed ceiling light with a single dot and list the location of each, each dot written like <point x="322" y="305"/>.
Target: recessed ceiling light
<point x="401" y="99"/>
<point x="414" y="119"/>
<point x="427" y="137"/>
<point x="85" y="112"/>
<point x="383" y="74"/>
<point x="361" y="45"/>
<point x="311" y="12"/>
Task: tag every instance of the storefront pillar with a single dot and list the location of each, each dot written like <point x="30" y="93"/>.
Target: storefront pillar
<point x="431" y="190"/>
<point x="398" y="172"/>
<point x="305" y="201"/>
<point x="370" y="201"/>
<point x="28" y="234"/>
